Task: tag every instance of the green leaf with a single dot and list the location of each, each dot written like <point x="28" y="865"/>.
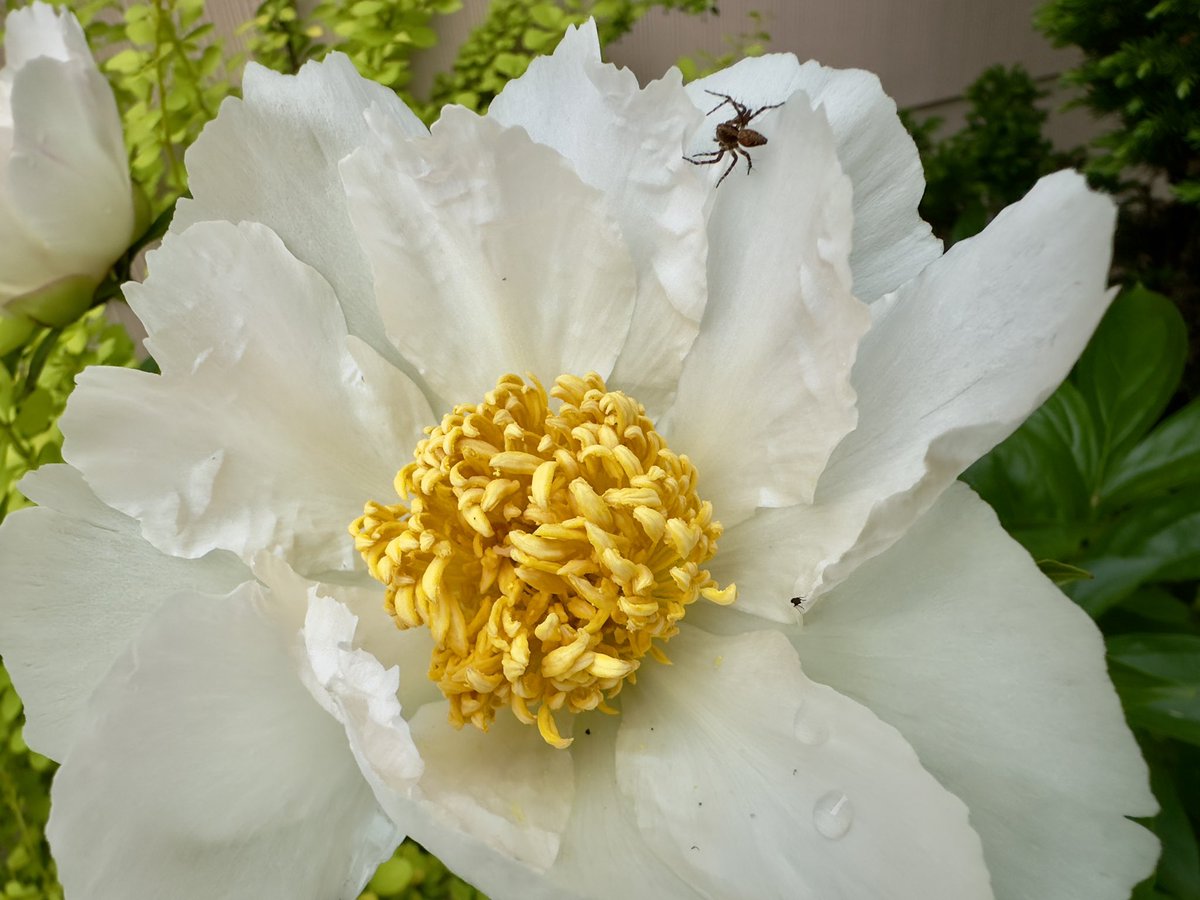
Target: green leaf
<point x="33" y="414"/>
<point x="1167" y="657"/>
<point x="1167" y="459"/>
<point x="1179" y="866"/>
<point x="1168" y="710"/>
<point x="1042" y="473"/>
<point x="1131" y="368"/>
<point x="1062" y="573"/>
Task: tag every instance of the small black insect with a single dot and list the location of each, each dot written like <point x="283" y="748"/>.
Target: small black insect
<point x="797" y="601"/>
<point x="732" y="136"/>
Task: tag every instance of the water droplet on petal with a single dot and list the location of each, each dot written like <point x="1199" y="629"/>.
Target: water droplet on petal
<point x="809" y="728"/>
<point x="833" y="815"/>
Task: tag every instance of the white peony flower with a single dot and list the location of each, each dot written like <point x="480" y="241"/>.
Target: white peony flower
<point x="940" y="725"/>
<point x="66" y="203"/>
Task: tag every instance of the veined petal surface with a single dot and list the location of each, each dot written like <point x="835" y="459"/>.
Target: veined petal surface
<point x="276" y="436"/>
<point x="734" y="754"/>
<point x="627" y="141"/>
<point x="80" y="583"/>
<point x="206" y="768"/>
<point x="490" y="255"/>
<point x="998" y="681"/>
<point x="891" y="241"/>
<point x="272" y="157"/>
<point x="765" y="393"/>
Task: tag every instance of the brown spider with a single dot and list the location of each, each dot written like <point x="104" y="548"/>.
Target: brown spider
<point x="731" y="136"/>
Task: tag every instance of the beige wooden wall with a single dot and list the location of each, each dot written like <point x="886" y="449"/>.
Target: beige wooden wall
<point x="925" y="51"/>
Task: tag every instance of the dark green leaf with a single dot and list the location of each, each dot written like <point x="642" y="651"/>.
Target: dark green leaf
<point x="1042" y="474"/>
<point x="1168" y="458"/>
<point x="1130" y="369"/>
<point x="1168" y="657"/>
<point x="1179" y="867"/>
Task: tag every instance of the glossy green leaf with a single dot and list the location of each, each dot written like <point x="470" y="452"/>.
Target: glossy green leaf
<point x="1168" y="657"/>
<point x="1043" y="472"/>
<point x="1168" y="458"/>
<point x="1130" y="369"/>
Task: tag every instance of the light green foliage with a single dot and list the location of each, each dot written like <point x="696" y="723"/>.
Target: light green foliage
<point x="997" y="156"/>
<point x="412" y="874"/>
<point x="748" y="43"/>
<point x="382" y="37"/>
<point x="1098" y="484"/>
<point x="34" y="384"/>
<point x="1141" y="64"/>
<point x="24" y="806"/>
<point x="516" y="31"/>
<point x="169" y="73"/>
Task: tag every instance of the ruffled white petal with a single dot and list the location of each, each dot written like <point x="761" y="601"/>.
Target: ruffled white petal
<point x="491" y="806"/>
<point x="272" y="157"/>
<point x="765" y="394"/>
<point x="66" y="206"/>
<point x="80" y="583"/>
<point x="750" y="780"/>
<point x="998" y="681"/>
<point x="205" y="769"/>
<point x="356" y="689"/>
<point x="891" y="242"/>
<point x="490" y="255"/>
<point x="262" y="433"/>
<point x="955" y="361"/>
<point x="627" y="142"/>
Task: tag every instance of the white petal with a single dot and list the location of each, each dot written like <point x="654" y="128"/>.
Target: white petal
<point x="66" y="206"/>
<point x="750" y="780"/>
<point x="491" y="806"/>
<point x="628" y="142"/>
<point x="955" y="361"/>
<point x="272" y="157"/>
<point x="490" y="256"/>
<point x="602" y="830"/>
<point x="41" y="30"/>
<point x="80" y="584"/>
<point x="759" y="556"/>
<point x="998" y="680"/>
<point x="275" y="438"/>
<point x="205" y="769"/>
<point x="356" y="689"/>
<point x="765" y="393"/>
<point x="891" y="242"/>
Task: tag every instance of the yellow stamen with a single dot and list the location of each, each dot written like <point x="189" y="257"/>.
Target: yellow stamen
<point x="547" y="551"/>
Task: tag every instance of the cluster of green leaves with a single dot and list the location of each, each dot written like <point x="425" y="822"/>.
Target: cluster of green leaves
<point x="34" y="383"/>
<point x="414" y="874"/>
<point x="992" y="161"/>
<point x="516" y="31"/>
<point x="383" y="36"/>
<point x="751" y="42"/>
<point x="1106" y="496"/>
<point x="29" y="870"/>
<point x="169" y="73"/>
<point x="1141" y="64"/>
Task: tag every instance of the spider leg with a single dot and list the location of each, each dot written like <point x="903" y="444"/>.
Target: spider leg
<point x="763" y="109"/>
<point x="708" y="162"/>
<point x="732" y="163"/>
<point x="708" y="153"/>
<point x="749" y="161"/>
<point x="738" y="108"/>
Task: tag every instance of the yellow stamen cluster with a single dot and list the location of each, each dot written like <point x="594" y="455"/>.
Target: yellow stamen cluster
<point x="546" y="550"/>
